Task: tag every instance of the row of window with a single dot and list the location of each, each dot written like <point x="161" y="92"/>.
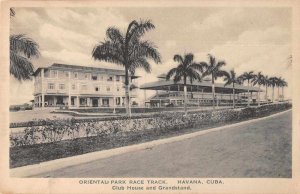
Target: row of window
<point x="79" y="75"/>
<point x="51" y="86"/>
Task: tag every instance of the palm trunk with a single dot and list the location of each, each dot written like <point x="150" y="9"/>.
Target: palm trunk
<point x="233" y="102"/>
<point x="266" y="97"/>
<point x="258" y="97"/>
<point x="278" y="93"/>
<point x="185" y="99"/>
<point x="248" y="94"/>
<point x="282" y="93"/>
<point x="127" y="97"/>
<point x="272" y="93"/>
<point x="213" y="92"/>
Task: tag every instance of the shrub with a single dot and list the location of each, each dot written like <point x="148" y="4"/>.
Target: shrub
<point x="57" y="130"/>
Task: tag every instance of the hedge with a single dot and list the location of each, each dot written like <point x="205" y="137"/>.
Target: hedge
<point x="57" y="130"/>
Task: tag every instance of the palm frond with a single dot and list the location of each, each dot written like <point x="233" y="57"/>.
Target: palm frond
<point x="12" y="12"/>
<point x="22" y="44"/>
<point x="171" y="73"/>
<point x="136" y="30"/>
<point x="115" y="35"/>
<point x="145" y="49"/>
<point x="109" y="52"/>
<point x="188" y="58"/>
<point x="20" y="67"/>
<point x="178" y="58"/>
<point x="140" y="63"/>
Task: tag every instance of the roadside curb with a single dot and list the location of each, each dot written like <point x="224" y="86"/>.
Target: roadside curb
<point x="35" y="169"/>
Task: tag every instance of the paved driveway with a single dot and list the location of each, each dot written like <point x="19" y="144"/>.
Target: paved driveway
<point x="260" y="149"/>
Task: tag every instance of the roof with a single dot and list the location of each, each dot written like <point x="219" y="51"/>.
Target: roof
<point x="196" y="86"/>
<point x="162" y="76"/>
<point x="67" y="67"/>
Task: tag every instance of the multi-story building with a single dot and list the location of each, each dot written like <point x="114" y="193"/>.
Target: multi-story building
<point x="79" y="86"/>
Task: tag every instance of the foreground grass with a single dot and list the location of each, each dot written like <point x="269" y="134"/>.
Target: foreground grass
<point x="33" y="154"/>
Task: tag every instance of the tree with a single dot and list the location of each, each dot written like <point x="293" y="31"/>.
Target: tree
<point x="266" y="83"/>
<point x="273" y="83"/>
<point x="22" y="49"/>
<point x="258" y="79"/>
<point x="248" y="76"/>
<point x="186" y="69"/>
<point x="231" y="78"/>
<point x="281" y="83"/>
<point x="128" y="50"/>
<point x="213" y="69"/>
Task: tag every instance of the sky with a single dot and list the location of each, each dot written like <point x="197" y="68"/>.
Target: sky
<point x="256" y="38"/>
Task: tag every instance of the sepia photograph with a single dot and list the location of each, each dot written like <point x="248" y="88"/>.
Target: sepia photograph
<point x="195" y="93"/>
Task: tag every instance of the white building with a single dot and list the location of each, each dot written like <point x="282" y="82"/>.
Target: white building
<point x="79" y="86"/>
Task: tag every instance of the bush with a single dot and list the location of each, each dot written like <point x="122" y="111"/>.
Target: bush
<point x="57" y="130"/>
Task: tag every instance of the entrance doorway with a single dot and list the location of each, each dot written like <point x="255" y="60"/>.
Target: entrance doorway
<point x="105" y="102"/>
<point x="95" y="102"/>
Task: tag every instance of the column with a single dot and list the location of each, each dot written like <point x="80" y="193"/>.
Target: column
<point x="69" y="91"/>
<point x="145" y="98"/>
<point x="77" y="102"/>
<point x="42" y="81"/>
<point x="43" y="100"/>
<point x="114" y="96"/>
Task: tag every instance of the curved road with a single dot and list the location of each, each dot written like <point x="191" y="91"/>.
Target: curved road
<point x="261" y="149"/>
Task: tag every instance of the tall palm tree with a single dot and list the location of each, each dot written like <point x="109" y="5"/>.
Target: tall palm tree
<point x="186" y="69"/>
<point x="22" y="49"/>
<point x="248" y="76"/>
<point x="258" y="79"/>
<point x="231" y="78"/>
<point x="128" y="50"/>
<point x="213" y="68"/>
<point x="283" y="84"/>
<point x="273" y="83"/>
<point x="266" y="83"/>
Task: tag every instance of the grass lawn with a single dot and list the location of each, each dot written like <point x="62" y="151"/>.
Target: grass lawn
<point x="33" y="154"/>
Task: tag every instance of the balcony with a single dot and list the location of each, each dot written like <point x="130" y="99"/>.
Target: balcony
<point x="56" y="91"/>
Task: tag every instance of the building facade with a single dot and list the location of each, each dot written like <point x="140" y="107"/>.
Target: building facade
<point x="79" y="86"/>
<point x="169" y="93"/>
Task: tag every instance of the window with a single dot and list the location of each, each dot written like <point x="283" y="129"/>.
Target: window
<point x="66" y="74"/>
<point x="94" y="77"/>
<point x="51" y="86"/>
<point x="107" y="88"/>
<point x="110" y="78"/>
<point x="101" y="77"/>
<point x="86" y="76"/>
<point x="61" y="86"/>
<point x="46" y="73"/>
<point x="75" y="75"/>
<point x="96" y="89"/>
<point x="53" y="73"/>
<point x="117" y="78"/>
<point x="118" y="88"/>
<point x="84" y="87"/>
<point x="73" y="87"/>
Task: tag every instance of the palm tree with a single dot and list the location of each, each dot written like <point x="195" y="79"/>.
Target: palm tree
<point x="266" y="83"/>
<point x="128" y="50"/>
<point x="248" y="76"/>
<point x="258" y="79"/>
<point x="231" y="78"/>
<point x="273" y="83"/>
<point x="213" y="68"/>
<point x="186" y="69"/>
<point x="282" y="85"/>
<point x="22" y="49"/>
